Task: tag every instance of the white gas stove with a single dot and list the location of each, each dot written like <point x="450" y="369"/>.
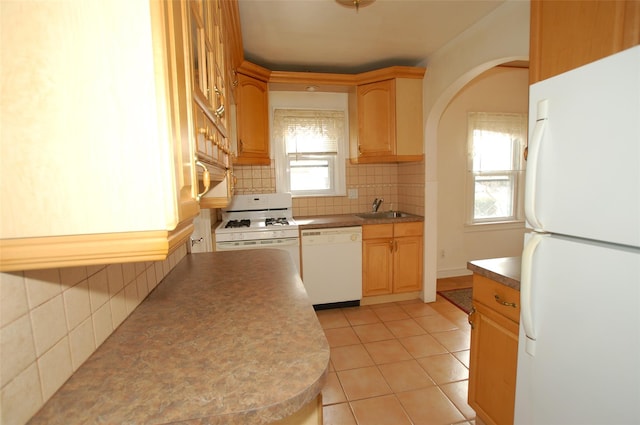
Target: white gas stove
<point x="257" y="222"/>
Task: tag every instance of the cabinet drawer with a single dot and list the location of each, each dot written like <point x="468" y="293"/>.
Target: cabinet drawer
<point x="495" y="295"/>
<point x="376" y="231"/>
<point x="413" y="228"/>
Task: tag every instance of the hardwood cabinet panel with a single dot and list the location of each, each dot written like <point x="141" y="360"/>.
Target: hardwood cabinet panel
<point x="116" y="179"/>
<point x="412" y="228"/>
<point x="494" y="350"/>
<point x="377" y="270"/>
<point x="569" y="34"/>
<point x="105" y="160"/>
<point x="407" y="264"/>
<point x="252" y="106"/>
<point x="376" y="231"/>
<point x="389" y="125"/>
<point x="376" y="119"/>
<point x="391" y="258"/>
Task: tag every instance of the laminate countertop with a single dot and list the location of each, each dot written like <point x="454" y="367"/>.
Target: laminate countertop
<point x="347" y="220"/>
<point x="226" y="338"/>
<point x="505" y="270"/>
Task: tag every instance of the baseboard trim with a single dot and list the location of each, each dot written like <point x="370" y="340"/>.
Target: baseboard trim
<point x="442" y="274"/>
<point x="379" y="299"/>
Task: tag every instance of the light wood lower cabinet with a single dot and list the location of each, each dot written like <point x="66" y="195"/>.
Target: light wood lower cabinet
<point x="391" y="258"/>
<point x="494" y="350"/>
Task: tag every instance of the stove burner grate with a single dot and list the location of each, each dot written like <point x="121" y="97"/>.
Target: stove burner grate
<point x="280" y="221"/>
<point x="238" y="223"/>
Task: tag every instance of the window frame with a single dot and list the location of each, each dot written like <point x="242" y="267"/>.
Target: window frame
<point x="515" y="174"/>
<point x="337" y="165"/>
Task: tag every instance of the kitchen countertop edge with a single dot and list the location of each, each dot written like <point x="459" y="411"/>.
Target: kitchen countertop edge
<point x="504" y="270"/>
<point x="348" y="220"/>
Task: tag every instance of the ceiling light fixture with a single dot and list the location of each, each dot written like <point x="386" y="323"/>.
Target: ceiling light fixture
<point x="357" y="4"/>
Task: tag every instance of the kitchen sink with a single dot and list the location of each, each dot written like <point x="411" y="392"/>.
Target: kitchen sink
<point x="383" y="214"/>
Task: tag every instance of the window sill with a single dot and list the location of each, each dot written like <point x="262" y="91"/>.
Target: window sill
<point x="493" y="226"/>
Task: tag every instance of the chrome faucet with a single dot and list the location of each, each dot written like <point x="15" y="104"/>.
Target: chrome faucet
<point x="376" y="204"/>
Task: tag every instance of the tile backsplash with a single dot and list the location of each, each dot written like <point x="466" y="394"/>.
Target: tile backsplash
<point x="52" y="320"/>
<point x="401" y="185"/>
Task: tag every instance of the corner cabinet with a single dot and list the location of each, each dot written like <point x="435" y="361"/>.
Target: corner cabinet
<point x="392" y="258"/>
<point x="494" y="350"/>
<point x="569" y="34"/>
<point x="97" y="167"/>
<point x="252" y="113"/>
<point x="386" y="116"/>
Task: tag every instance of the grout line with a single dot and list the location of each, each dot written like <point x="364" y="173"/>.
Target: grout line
<point x="377" y="366"/>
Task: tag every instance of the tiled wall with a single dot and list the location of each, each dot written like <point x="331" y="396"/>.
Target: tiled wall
<point x="400" y="185"/>
<point x="52" y="320"/>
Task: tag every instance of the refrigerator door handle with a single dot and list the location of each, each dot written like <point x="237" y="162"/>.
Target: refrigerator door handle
<point x="532" y="167"/>
<point x="525" y="292"/>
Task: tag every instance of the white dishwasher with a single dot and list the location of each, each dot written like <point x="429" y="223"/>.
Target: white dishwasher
<point x="332" y="266"/>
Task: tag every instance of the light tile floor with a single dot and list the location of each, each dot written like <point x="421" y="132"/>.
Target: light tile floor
<point x="397" y="363"/>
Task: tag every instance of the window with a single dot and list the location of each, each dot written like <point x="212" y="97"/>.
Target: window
<point x="311" y="145"/>
<point x="496" y="142"/>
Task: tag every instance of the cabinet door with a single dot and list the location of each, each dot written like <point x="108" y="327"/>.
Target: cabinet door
<point x="377" y="267"/>
<point x="569" y="34"/>
<point x="106" y="160"/>
<point x="253" y="121"/>
<point x="376" y="119"/>
<point x="492" y="367"/>
<point x="176" y="59"/>
<point x="407" y="264"/>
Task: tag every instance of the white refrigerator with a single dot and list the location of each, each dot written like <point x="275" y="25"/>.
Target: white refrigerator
<point x="579" y="346"/>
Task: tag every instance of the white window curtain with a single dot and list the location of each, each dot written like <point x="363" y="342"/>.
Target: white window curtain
<point x="308" y="131"/>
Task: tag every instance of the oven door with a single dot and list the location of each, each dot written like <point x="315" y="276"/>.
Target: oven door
<point x="291" y="245"/>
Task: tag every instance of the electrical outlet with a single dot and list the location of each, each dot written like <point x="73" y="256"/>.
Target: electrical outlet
<point x="352" y="193"/>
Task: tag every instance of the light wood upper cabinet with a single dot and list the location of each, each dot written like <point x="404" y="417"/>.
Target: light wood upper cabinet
<point x="377" y="120"/>
<point x="494" y="351"/>
<point x="94" y="165"/>
<point x="392" y="258"/>
<point x="252" y="111"/>
<point x="569" y="34"/>
<point x="210" y="98"/>
<point x="387" y="113"/>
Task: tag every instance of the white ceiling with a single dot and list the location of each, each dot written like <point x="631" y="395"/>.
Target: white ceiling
<point x="323" y="36"/>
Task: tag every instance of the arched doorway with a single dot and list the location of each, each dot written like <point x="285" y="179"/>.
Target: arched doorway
<point x="502" y="36"/>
